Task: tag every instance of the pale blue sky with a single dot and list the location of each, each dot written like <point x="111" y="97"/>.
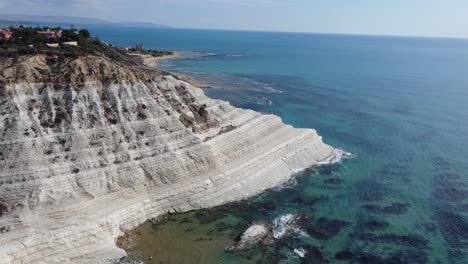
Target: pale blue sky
<point x="384" y="17"/>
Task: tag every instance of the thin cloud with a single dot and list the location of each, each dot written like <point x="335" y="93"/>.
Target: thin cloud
<point x="54" y="3"/>
<point x="228" y="2"/>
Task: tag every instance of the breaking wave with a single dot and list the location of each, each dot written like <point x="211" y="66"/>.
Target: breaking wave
<point x="300" y="252"/>
<point x="286" y="225"/>
<point x="339" y="156"/>
<point x="289" y="184"/>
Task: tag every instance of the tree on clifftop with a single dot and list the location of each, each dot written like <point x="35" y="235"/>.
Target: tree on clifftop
<point x="85" y="33"/>
<point x="69" y="35"/>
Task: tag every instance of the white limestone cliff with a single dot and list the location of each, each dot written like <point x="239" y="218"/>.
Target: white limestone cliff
<point x="84" y="159"/>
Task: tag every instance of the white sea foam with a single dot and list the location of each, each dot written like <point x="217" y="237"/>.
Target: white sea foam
<point x="298" y="170"/>
<point x="286" y="225"/>
<point x="131" y="261"/>
<point x="300" y="252"/>
<point x="291" y="183"/>
<point x="281" y="225"/>
<point x="339" y="156"/>
<point x="263" y="101"/>
<point x="270" y="89"/>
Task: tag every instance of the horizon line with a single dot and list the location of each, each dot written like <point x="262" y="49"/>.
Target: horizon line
<point x="168" y="27"/>
<point x="323" y="33"/>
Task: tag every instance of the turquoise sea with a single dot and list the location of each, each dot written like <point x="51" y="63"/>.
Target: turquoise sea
<point x="399" y="103"/>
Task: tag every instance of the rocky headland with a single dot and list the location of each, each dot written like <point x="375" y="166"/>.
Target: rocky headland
<point x="93" y="145"/>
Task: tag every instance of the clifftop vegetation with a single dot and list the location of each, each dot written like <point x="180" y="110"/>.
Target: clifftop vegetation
<point x="66" y="44"/>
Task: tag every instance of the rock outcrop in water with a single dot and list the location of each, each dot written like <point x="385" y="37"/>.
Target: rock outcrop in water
<point x="266" y="233"/>
<point x="256" y="234"/>
<point x="90" y="148"/>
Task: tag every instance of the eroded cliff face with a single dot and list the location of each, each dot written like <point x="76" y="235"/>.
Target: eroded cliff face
<point x="90" y="148"/>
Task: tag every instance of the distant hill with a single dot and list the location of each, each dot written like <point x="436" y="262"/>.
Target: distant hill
<point x="139" y="24"/>
<point x="66" y="21"/>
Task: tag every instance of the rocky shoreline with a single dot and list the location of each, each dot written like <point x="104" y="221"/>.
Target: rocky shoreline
<point x="152" y="61"/>
<point x="91" y="148"/>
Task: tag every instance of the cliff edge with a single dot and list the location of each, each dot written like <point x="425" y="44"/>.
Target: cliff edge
<point x="91" y="147"/>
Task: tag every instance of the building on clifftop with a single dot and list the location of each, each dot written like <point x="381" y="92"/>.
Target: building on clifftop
<point x="5" y="34"/>
<point x="51" y="34"/>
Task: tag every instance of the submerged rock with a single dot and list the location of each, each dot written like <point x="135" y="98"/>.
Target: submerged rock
<point x="313" y="255"/>
<point x="394" y="208"/>
<point x="344" y="255"/>
<point x="333" y="180"/>
<point x="325" y="228"/>
<point x="410" y="240"/>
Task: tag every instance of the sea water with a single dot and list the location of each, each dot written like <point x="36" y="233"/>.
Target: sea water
<point x="400" y="104"/>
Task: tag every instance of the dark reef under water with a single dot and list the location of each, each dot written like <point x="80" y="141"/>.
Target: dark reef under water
<point x="328" y="236"/>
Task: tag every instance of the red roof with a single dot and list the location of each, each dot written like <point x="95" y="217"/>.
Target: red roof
<point x="5" y="34"/>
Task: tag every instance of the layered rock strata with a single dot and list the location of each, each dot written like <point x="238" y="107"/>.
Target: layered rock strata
<point x="90" y="148"/>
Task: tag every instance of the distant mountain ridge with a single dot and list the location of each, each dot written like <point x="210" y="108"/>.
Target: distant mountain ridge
<point x="63" y="20"/>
